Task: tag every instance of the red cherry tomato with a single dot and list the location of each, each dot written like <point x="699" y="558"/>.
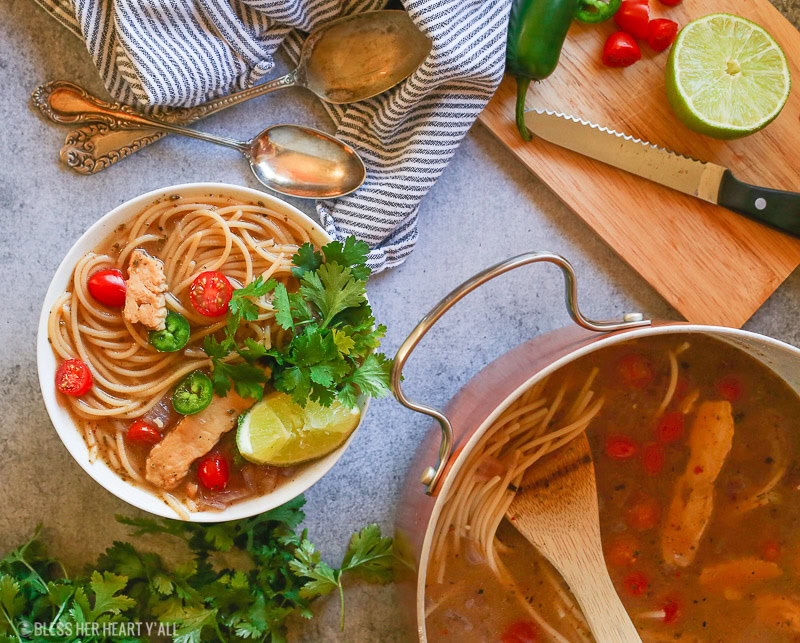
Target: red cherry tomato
<point x="213" y="472"/>
<point x="621" y="447"/>
<point x="635" y="370"/>
<point x="108" y="287"/>
<point x="661" y="33"/>
<point x="623" y="551"/>
<point x="73" y="377"/>
<point x="681" y="388"/>
<point x="633" y="18"/>
<point x="672" y="611"/>
<point x="730" y="388"/>
<point x="771" y="550"/>
<point x="521" y="632"/>
<point x="143" y="432"/>
<point x="636" y="583"/>
<point x="210" y="293"/>
<point x="620" y="50"/>
<point x="653" y="459"/>
<point x="643" y="514"/>
<point x="671" y="3"/>
<point x="670" y="427"/>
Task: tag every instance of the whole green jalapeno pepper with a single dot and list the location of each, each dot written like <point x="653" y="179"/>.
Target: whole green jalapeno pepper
<point x="536" y="33"/>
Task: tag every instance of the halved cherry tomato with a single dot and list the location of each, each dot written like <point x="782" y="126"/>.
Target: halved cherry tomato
<point x="636" y="583"/>
<point x="633" y="18"/>
<point x="635" y="370"/>
<point x="671" y="3"/>
<point x="521" y="632"/>
<point x="681" y="388"/>
<point x="621" y="447"/>
<point x="670" y="427"/>
<point x="144" y="433"/>
<point x="210" y="293"/>
<point x="620" y="50"/>
<point x="653" y="458"/>
<point x="730" y="388"/>
<point x="623" y="551"/>
<point x="108" y="287"/>
<point x="644" y="513"/>
<point x="672" y="611"/>
<point x="661" y="33"/>
<point x="73" y="377"/>
<point x="213" y="472"/>
<point x="771" y="550"/>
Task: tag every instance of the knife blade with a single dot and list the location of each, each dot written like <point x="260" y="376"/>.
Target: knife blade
<point x="707" y="181"/>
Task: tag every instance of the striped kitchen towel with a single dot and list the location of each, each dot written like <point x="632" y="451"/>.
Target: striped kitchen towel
<point x="184" y="52"/>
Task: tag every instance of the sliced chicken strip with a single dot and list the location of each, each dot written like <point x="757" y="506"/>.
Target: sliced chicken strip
<point x="710" y="442"/>
<point x="145" y="287"/>
<point x="193" y="437"/>
<point x="779" y="612"/>
<point x="737" y="574"/>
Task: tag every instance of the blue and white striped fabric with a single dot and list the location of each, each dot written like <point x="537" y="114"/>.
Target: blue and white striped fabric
<point x="184" y="52"/>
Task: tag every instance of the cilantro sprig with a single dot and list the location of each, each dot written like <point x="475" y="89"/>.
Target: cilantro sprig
<point x="278" y="573"/>
<point x="330" y="353"/>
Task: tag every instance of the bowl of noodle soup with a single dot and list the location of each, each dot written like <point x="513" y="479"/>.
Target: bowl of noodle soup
<point x="238" y="230"/>
<point x="694" y="438"/>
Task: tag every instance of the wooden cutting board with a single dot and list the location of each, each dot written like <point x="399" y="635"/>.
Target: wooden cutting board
<point x="714" y="266"/>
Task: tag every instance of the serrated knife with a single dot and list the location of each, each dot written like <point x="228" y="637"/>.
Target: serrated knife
<point x="707" y="181"/>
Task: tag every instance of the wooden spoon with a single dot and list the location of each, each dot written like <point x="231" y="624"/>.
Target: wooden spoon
<point x="556" y="510"/>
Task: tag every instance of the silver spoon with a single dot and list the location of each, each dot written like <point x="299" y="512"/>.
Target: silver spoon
<point x="346" y="60"/>
<point x="290" y="159"/>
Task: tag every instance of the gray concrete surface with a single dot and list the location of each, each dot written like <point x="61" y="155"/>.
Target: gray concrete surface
<point x="486" y="207"/>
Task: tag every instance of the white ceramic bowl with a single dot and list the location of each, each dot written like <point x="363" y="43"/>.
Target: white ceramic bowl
<point x="65" y="424"/>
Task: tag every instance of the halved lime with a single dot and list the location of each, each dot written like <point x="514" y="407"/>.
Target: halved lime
<point x="279" y="432"/>
<point x="726" y="76"/>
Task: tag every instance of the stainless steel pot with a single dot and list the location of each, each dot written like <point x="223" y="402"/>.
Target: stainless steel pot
<point x="473" y="410"/>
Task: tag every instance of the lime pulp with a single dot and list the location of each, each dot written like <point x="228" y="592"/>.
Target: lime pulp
<point x="726" y="76"/>
<point x="279" y="432"/>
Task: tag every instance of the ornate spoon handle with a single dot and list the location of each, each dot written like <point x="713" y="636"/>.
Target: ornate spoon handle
<point x="95" y="147"/>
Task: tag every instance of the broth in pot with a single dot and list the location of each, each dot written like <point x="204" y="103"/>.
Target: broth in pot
<point x="695" y="446"/>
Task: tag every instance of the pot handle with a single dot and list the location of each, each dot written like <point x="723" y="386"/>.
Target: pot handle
<point x="432" y="474"/>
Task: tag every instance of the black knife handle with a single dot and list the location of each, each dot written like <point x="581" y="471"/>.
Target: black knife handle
<point x="774" y="207"/>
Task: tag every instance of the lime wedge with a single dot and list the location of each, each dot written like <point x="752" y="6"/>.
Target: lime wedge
<point x="261" y="434"/>
<point x="726" y="76"/>
<point x="279" y="432"/>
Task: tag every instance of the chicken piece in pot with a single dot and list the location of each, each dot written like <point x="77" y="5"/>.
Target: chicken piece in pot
<point x="689" y="513"/>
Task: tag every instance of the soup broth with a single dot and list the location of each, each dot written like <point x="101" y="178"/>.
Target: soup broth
<point x="696" y="450"/>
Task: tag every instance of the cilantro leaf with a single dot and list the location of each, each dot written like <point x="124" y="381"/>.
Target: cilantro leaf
<point x="10" y="597"/>
<point x="106" y="598"/>
<point x="306" y="259"/>
<point x="241" y="307"/>
<point x="253" y="350"/>
<point x="344" y="342"/>
<point x="333" y="289"/>
<point x="240" y="303"/>
<point x="352" y="254"/>
<point x="283" y="309"/>
<point x="369" y="555"/>
<point x="348" y="395"/>
<point x="246" y="378"/>
<point x="373" y="376"/>
<point x="214" y="348"/>
<point x="308" y="563"/>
